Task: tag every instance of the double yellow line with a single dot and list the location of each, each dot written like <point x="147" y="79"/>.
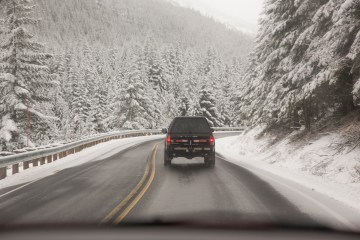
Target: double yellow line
<point x="128" y="203"/>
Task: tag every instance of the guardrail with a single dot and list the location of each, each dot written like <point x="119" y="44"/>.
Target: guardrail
<point x="40" y="157"/>
<point x="48" y="155"/>
<point x="223" y="129"/>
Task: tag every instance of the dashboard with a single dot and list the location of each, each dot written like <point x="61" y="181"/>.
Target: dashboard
<point x="165" y="233"/>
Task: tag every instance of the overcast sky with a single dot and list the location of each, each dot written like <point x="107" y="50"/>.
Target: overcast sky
<point x="242" y="14"/>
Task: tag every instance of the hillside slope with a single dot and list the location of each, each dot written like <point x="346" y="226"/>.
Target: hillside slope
<point x="115" y="23"/>
<point x="301" y="89"/>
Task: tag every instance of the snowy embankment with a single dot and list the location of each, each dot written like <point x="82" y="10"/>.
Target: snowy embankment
<point x="96" y="153"/>
<point x="315" y="165"/>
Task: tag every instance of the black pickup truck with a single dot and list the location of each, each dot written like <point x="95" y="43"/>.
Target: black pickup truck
<point x="189" y="137"/>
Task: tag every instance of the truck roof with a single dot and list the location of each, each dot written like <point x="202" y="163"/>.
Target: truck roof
<point x="195" y="124"/>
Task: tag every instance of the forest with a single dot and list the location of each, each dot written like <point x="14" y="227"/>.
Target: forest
<point x="305" y="68"/>
<point x="74" y="68"/>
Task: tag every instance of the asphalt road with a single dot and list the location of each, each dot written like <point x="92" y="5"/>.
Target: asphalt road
<point x="188" y="189"/>
<point x="134" y="185"/>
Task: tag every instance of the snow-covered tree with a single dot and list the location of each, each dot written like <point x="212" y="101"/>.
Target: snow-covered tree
<point x="151" y="58"/>
<point x="134" y="106"/>
<point x="185" y="106"/>
<point x="207" y="104"/>
<point x="98" y="110"/>
<point x="304" y="64"/>
<point x="80" y="106"/>
<point x="155" y="68"/>
<point x="24" y="76"/>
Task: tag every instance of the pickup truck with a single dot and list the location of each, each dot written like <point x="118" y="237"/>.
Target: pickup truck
<point x="189" y="137"/>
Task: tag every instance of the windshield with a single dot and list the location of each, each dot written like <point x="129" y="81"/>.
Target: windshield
<point x="266" y="93"/>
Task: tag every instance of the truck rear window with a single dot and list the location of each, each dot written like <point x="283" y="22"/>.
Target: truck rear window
<point x="190" y="125"/>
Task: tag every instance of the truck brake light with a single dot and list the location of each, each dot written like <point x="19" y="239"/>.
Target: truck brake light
<point x="168" y="140"/>
<point x="212" y="140"/>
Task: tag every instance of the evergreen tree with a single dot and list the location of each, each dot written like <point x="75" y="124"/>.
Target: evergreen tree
<point x="80" y="107"/>
<point x="210" y="61"/>
<point x="207" y="104"/>
<point x="184" y="107"/>
<point x="134" y="108"/>
<point x="24" y="76"/>
<point x="106" y="80"/>
<point x="169" y="110"/>
<point x="303" y="64"/>
<point x="98" y="110"/>
<point x="156" y="68"/>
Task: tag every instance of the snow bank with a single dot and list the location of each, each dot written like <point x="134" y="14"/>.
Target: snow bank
<point x="316" y="165"/>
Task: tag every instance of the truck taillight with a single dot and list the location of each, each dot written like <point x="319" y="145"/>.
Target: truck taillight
<point x="168" y="140"/>
<point x="212" y="140"/>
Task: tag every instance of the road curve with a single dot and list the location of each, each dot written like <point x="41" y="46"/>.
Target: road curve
<point x="82" y="194"/>
<point x="133" y="185"/>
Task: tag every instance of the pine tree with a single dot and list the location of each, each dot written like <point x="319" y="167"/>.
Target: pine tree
<point x="156" y="68"/>
<point x="63" y="100"/>
<point x="98" y="110"/>
<point x="80" y="106"/>
<point x="184" y="107"/>
<point x="134" y="106"/>
<point x="92" y="63"/>
<point x="174" y="61"/>
<point x="303" y="64"/>
<point x="207" y="104"/>
<point x="24" y="76"/>
<point x="168" y="110"/>
<point x="210" y="61"/>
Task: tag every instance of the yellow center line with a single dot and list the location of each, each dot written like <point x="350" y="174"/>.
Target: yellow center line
<point x="133" y="192"/>
<point x="141" y="194"/>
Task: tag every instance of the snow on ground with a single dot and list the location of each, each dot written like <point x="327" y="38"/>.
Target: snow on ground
<point x="96" y="153"/>
<point x="316" y="165"/>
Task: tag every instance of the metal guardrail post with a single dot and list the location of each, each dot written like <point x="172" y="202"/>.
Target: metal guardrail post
<point x="15" y="168"/>
<point x="42" y="161"/>
<point x="35" y="162"/>
<point x="26" y="165"/>
<point x="3" y="171"/>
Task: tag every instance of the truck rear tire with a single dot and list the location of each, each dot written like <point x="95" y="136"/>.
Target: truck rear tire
<point x="167" y="159"/>
<point x="210" y="161"/>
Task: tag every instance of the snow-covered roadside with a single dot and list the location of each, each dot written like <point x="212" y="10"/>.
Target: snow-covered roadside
<point x="316" y="166"/>
<point x="96" y="153"/>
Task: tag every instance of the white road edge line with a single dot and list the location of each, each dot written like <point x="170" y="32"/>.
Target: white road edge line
<point x="324" y="207"/>
<point x="18" y="188"/>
